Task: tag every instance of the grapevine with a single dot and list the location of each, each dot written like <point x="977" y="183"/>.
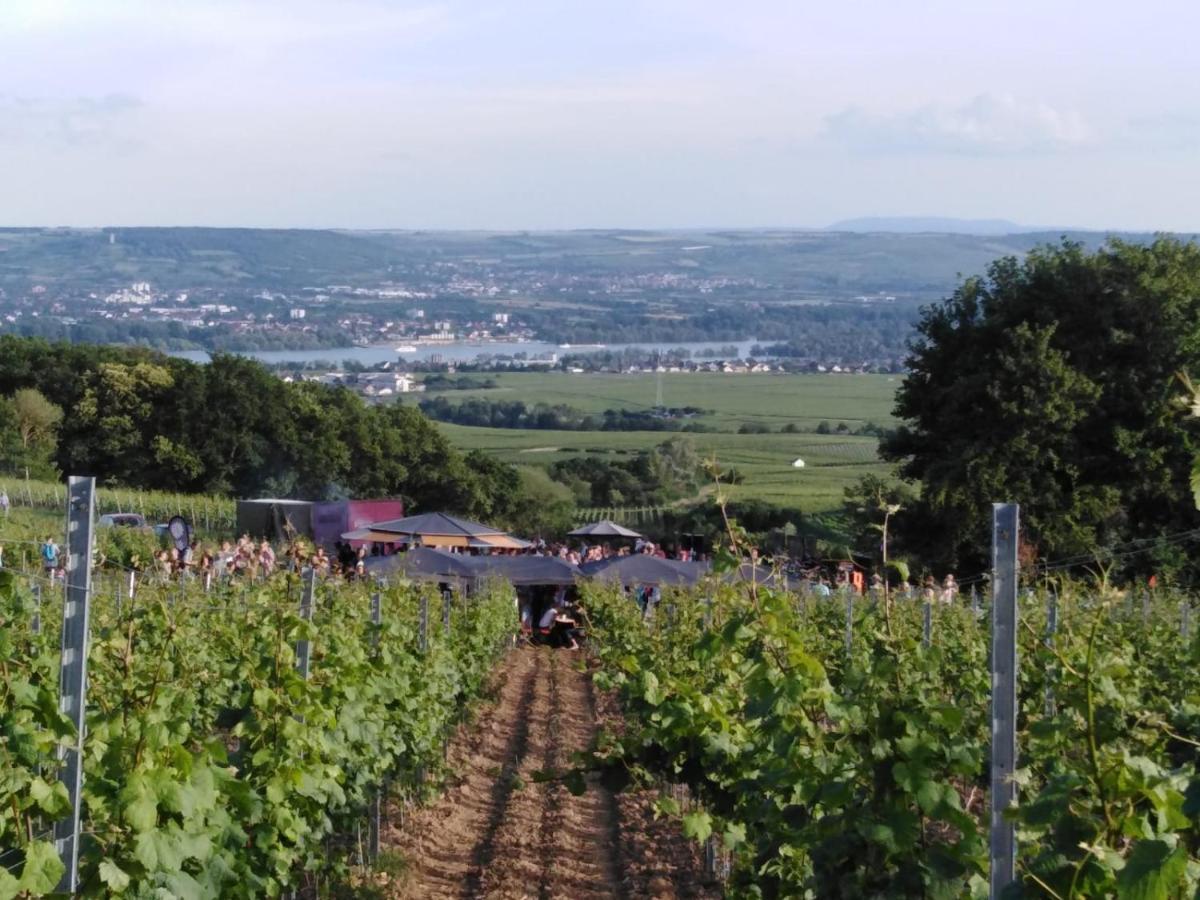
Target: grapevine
<point x="835" y="773"/>
<point x="212" y="767"/>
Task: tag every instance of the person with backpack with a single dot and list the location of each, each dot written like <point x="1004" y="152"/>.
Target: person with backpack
<point x="49" y="556"/>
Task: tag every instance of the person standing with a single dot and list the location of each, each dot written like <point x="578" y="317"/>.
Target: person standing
<point x="49" y="553"/>
<point x="949" y="589"/>
<point x="4" y="504"/>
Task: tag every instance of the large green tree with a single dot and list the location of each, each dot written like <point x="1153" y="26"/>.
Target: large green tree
<point x="1051" y="382"/>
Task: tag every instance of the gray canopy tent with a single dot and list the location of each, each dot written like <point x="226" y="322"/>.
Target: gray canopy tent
<point x="424" y="564"/>
<point x="644" y="569"/>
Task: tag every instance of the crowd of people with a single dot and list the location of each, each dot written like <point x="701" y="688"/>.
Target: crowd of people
<point x="247" y="558"/>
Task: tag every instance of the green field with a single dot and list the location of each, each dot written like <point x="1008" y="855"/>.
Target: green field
<point x="832" y="461"/>
<point x="728" y="400"/>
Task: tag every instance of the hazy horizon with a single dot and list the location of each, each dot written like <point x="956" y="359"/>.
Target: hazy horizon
<point x="535" y="115"/>
<point x="833" y="227"/>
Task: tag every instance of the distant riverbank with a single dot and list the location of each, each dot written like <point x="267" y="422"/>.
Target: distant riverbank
<point x="462" y="351"/>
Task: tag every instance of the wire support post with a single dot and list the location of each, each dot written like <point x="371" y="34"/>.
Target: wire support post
<point x="849" y="622"/>
<point x="81" y="508"/>
<point x="1003" y="850"/>
<point x="423" y="632"/>
<point x="304" y="645"/>
<point x="1051" y="629"/>
<point x="35" y="624"/>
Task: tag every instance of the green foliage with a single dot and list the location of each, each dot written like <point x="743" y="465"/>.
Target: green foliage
<point x="29" y="433"/>
<point x="1048" y="383"/>
<point x="668" y="471"/>
<point x="867" y="503"/>
<point x="147" y="421"/>
<point x="541" y="506"/>
<point x="212" y="768"/>
<point x="835" y="773"/>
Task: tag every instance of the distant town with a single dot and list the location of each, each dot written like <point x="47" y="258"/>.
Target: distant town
<point x="817" y="301"/>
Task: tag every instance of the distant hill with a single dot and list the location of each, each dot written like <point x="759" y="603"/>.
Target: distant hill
<point x="933" y="225"/>
<point x="915" y="262"/>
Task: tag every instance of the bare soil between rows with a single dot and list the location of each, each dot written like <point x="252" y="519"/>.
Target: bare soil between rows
<point x="496" y="832"/>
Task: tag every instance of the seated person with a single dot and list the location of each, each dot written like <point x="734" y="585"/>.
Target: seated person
<point x="559" y="628"/>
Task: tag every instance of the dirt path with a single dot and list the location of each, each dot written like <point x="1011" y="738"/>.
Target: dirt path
<point x="496" y="832"/>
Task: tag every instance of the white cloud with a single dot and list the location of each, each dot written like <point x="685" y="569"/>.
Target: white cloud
<point x="989" y="124"/>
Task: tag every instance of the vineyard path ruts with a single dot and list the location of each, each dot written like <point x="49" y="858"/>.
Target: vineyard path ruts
<point x="496" y="832"/>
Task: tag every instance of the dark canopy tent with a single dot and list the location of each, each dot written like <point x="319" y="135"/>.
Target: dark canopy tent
<point x="605" y="529"/>
<point x="643" y="569"/>
<point x="527" y="570"/>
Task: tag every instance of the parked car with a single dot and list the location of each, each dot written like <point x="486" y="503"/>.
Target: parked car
<point x="121" y="520"/>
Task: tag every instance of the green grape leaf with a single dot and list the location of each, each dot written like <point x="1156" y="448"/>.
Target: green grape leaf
<point x="697" y="825"/>
<point x="9" y="886"/>
<point x="652" y="694"/>
<point x="42" y="870"/>
<point x="114" y="876"/>
<point x="52" y="799"/>
<point x="141" y="814"/>
<point x="1153" y="872"/>
<point x="185" y="887"/>
<point x="734" y="835"/>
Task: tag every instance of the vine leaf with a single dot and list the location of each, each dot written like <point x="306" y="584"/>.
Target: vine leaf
<point x="53" y="799"/>
<point x="43" y="868"/>
<point x="114" y="876"/>
<point x="1153" y="872"/>
<point x="9" y="886"/>
<point x="697" y="825"/>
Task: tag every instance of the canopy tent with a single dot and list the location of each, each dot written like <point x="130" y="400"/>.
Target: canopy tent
<point x="435" y="523"/>
<point x="604" y="529"/>
<point x="423" y="564"/>
<point x="498" y="542"/>
<point x="378" y="537"/>
<point x="644" y="569"/>
<point x="527" y="570"/>
<point x="435" y="530"/>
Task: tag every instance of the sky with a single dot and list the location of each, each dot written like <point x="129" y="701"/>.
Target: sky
<point x="553" y="114"/>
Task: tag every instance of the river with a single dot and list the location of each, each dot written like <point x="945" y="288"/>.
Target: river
<point x="459" y="351"/>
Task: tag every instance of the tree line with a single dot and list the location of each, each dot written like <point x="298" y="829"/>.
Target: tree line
<point x="138" y="418"/>
<point x="481" y="412"/>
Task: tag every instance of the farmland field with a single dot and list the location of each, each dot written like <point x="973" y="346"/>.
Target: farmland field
<point x="728" y="400"/>
<point x="832" y="461"/>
